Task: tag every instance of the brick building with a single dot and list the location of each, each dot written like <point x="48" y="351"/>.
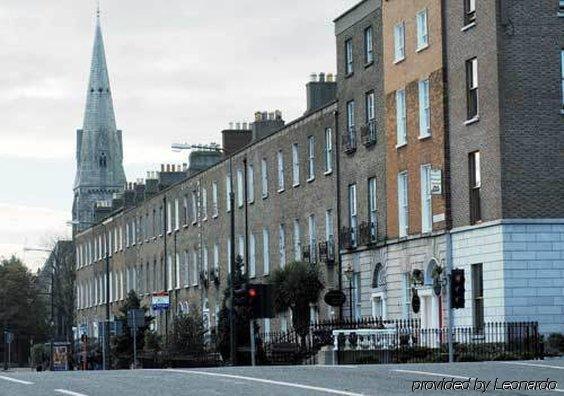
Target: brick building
<point x="444" y="128"/>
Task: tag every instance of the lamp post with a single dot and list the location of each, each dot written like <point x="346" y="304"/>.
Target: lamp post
<point x="232" y="330"/>
<point x="349" y="273"/>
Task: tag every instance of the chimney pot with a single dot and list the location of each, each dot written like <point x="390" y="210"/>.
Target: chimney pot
<point x="321" y="77"/>
<point x="258" y="116"/>
<point x="231" y="125"/>
<point x="162" y="167"/>
<point x="313" y="77"/>
<point x="238" y="126"/>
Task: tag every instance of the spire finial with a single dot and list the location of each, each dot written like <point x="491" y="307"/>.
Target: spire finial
<point x="98" y="9"/>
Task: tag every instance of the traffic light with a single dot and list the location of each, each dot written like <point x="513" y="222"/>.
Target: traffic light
<point x="241" y="296"/>
<point x="457" y="288"/>
<point x="260" y="301"/>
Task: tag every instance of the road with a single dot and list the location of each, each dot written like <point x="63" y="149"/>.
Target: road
<point x="286" y="380"/>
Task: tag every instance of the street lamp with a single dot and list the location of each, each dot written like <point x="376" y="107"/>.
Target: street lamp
<point x="217" y="148"/>
<point x="106" y="346"/>
<point x="349" y="273"/>
<point x="53" y="267"/>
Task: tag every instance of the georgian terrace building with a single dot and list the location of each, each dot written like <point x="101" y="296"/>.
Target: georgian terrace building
<point x="172" y="232"/>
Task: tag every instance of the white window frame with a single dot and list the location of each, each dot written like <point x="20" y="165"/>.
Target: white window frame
<point x="311" y="158"/>
<point x="403" y="204"/>
<point x="422" y="30"/>
<point x="241" y="251"/>
<point x="349" y="64"/>
<point x="194" y="207"/>
<point x="401" y="119"/>
<point x="372" y="204"/>
<point x="426" y="199"/>
<point x="215" y="200"/>
<point x="329" y="222"/>
<point x="216" y="256"/>
<point x="250" y="183"/>
<point x="168" y="219"/>
<point x="177" y="271"/>
<point x="168" y="262"/>
<point x="295" y="165"/>
<point x="264" y="178"/>
<point x="204" y="204"/>
<point x="252" y="256"/>
<point x="328" y="150"/>
<point x="195" y="274"/>
<point x="296" y="239"/>
<point x="399" y="42"/>
<point x="265" y="251"/>
<point x="176" y="214"/>
<point x="368" y="45"/>
<point x="282" y="245"/>
<point x="312" y="235"/>
<point x="280" y="162"/>
<point x="424" y="109"/>
<point x="353" y="212"/>
<point x="228" y="193"/>
<point x="240" y="192"/>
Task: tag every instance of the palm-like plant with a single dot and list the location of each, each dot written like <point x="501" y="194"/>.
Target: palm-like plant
<point x="295" y="287"/>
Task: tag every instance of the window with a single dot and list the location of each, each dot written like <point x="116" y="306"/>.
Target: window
<point x="403" y="212"/>
<point x="372" y="212"/>
<point x="204" y="204"/>
<point x="205" y="266"/>
<point x="252" y="256"/>
<point x="369" y="104"/>
<point x="169" y="273"/>
<point x="406" y="298"/>
<point x="282" y="245"/>
<point x="250" y="183"/>
<point x="353" y="220"/>
<point x="562" y="63"/>
<point x="228" y="192"/>
<point x="475" y="183"/>
<point x="230" y="260"/>
<point x="469" y="12"/>
<point x="329" y="149"/>
<point x="350" y="118"/>
<point x="348" y="57"/>
<point x="240" y="187"/>
<point x="312" y="228"/>
<point x="426" y="207"/>
<point x="401" y="118"/>
<point x="216" y="258"/>
<point x="368" y="46"/>
<point x="176" y="214"/>
<point x="265" y="251"/>
<point x="311" y="158"/>
<point x="422" y="30"/>
<point x="177" y="271"/>
<point x="184" y="213"/>
<point x="472" y="89"/>
<point x="478" y="297"/>
<point x="195" y="275"/>
<point x="194" y="207"/>
<point x="215" y="199"/>
<point x="399" y="42"/>
<point x="328" y="225"/>
<point x="295" y="165"/>
<point x="297" y="241"/>
<point x="264" y="177"/>
<point x="280" y="159"/>
<point x="168" y="218"/>
<point x="424" y="109"/>
<point x="186" y="268"/>
<point x="241" y="251"/>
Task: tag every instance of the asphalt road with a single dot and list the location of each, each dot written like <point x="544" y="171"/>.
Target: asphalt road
<point x="288" y="380"/>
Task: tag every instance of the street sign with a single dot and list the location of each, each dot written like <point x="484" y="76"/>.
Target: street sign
<point x="136" y="318"/>
<point x="8" y="337"/>
<point x="334" y="298"/>
<point x="160" y="301"/>
<point x="436" y="182"/>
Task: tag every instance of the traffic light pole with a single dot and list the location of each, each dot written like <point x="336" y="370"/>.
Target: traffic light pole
<point x="450" y="316"/>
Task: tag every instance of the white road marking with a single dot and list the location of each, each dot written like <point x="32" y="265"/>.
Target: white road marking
<point x="68" y="392"/>
<point x="431" y="374"/>
<point x="271" y="382"/>
<point x="535" y="365"/>
<point x="16" y="380"/>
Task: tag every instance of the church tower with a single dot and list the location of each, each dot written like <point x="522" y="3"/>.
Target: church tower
<point x="99" y="151"/>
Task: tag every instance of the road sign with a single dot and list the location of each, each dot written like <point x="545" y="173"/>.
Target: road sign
<point x="8" y="337"/>
<point x="160" y="301"/>
<point x="136" y="318"/>
<point x="335" y="298"/>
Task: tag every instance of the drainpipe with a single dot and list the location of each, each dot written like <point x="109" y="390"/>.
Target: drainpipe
<point x="165" y="277"/>
<point x="446" y="183"/>
<point x="338" y="187"/>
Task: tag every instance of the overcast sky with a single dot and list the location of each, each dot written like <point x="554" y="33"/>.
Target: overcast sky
<point x="180" y="71"/>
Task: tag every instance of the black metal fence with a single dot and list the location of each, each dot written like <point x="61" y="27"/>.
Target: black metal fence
<point x="402" y="341"/>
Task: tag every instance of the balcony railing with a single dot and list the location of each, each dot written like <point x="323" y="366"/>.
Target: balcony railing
<point x="367" y="231"/>
<point x="327" y="251"/>
<point x="349" y="140"/>
<point x="368" y="133"/>
<point x="348" y="238"/>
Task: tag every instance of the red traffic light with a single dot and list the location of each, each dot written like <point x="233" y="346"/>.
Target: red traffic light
<point x="252" y="293"/>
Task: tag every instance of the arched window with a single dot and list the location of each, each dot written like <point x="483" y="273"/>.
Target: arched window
<point x="429" y="271"/>
<point x="376" y="275"/>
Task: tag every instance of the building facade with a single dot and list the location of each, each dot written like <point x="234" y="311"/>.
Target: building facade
<point x="441" y="137"/>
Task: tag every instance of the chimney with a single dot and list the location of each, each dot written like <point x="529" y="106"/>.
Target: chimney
<point x="320" y="92"/>
<point x="266" y="124"/>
